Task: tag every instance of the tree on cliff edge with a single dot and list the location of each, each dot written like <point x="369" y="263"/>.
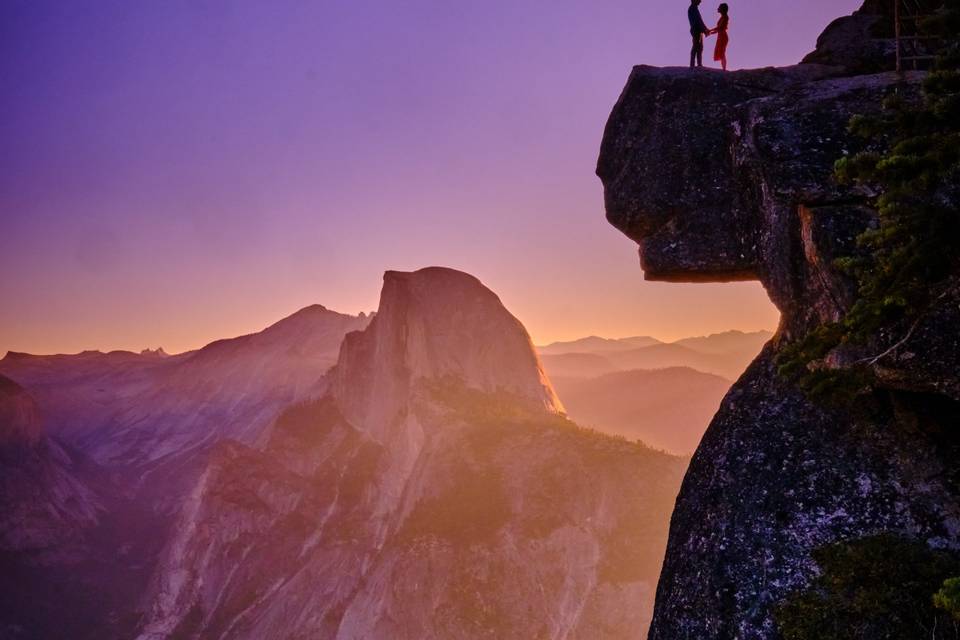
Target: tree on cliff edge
<point x="911" y="257"/>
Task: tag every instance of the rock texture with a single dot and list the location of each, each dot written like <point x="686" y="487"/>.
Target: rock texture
<point x="747" y="193"/>
<point x="435" y="492"/>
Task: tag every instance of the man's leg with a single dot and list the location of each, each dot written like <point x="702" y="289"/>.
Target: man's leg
<point x="693" y="51"/>
<point x="697" y="50"/>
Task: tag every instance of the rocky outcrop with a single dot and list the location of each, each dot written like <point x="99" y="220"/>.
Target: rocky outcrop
<point x="722" y="177"/>
<point x="436" y="491"/>
<point x="860" y="43"/>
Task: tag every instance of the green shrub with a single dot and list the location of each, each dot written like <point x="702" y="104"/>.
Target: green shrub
<point x="874" y="588"/>
<point x="948" y="598"/>
<point x="916" y="245"/>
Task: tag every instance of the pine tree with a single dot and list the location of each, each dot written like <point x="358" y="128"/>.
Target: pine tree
<point x="915" y="249"/>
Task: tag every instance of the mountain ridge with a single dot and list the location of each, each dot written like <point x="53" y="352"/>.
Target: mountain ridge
<point x="96" y="401"/>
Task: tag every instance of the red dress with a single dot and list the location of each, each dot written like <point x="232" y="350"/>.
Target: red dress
<point x="720" y="52"/>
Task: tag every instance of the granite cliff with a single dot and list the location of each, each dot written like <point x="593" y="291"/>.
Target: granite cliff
<point x="723" y="177"/>
<point x="436" y="491"/>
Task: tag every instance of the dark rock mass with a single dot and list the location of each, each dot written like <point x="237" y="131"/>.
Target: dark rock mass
<point x="722" y="177"/>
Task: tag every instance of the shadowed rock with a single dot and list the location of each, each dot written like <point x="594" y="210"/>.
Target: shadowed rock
<point x="722" y="177"/>
<point x="44" y="506"/>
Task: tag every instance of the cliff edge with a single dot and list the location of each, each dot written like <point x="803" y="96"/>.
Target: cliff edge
<point x="725" y="177"/>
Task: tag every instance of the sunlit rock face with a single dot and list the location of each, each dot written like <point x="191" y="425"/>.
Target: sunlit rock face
<point x="433" y="324"/>
<point x="722" y="177"/>
<point x="436" y="491"/>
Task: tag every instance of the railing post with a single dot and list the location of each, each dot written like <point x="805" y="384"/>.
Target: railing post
<point x="896" y="31"/>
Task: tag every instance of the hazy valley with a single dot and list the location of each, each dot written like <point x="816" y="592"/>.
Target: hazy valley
<point x="664" y="394"/>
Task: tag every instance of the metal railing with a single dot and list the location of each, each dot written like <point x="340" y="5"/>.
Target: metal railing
<point x="913" y="46"/>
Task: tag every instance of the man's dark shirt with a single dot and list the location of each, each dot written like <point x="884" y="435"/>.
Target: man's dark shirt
<point x="697" y="27"/>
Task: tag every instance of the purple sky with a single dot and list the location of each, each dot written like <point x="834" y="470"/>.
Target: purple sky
<point x="179" y="171"/>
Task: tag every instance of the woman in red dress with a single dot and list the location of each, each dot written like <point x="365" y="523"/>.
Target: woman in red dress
<point x="720" y="51"/>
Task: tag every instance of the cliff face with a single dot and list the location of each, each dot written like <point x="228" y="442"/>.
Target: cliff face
<point x="435" y="492"/>
<point x="48" y="508"/>
<point x="722" y="177"/>
<point x="44" y="506"/>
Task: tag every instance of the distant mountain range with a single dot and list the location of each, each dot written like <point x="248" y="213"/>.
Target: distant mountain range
<point x="594" y="344"/>
<point x="724" y="354"/>
<point x="664" y="394"/>
<point x="132" y="408"/>
<point x="412" y="475"/>
<point x="666" y="408"/>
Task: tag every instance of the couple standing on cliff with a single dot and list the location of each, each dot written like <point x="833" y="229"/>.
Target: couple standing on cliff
<point x="698" y="30"/>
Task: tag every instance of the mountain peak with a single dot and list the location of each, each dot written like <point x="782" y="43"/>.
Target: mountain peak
<point x="311" y="309"/>
<point x="309" y="313"/>
<point x="445" y="277"/>
<point x="436" y="323"/>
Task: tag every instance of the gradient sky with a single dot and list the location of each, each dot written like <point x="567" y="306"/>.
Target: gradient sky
<point x="179" y="171"/>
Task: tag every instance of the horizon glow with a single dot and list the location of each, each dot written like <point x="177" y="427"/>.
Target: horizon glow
<point x="180" y="172"/>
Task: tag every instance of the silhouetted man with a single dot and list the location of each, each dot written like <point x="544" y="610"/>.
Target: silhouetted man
<point x="697" y="29"/>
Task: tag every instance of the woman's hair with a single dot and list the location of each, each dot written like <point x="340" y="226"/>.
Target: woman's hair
<point x="723" y="8"/>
